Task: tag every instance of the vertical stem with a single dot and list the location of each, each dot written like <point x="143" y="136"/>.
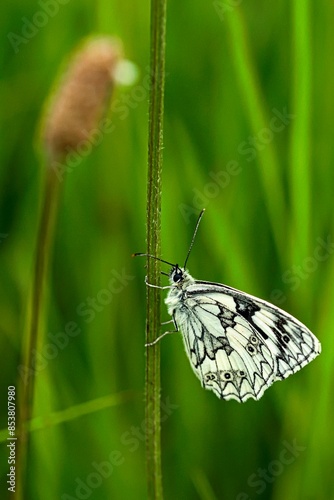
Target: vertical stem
<point x="155" y="135"/>
<point x="26" y="382"/>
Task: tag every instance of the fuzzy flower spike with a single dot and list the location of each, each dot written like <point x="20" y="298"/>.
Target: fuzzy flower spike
<point x="82" y="97"/>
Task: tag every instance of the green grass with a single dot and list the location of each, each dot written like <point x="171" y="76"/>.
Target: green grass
<point x="261" y="230"/>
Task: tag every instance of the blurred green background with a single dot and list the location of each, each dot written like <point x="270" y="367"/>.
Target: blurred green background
<point x="267" y="184"/>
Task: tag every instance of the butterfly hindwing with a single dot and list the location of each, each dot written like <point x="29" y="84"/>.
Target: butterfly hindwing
<point x="239" y="345"/>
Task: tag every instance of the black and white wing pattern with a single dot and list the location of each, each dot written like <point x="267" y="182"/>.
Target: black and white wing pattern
<point x="238" y="345"/>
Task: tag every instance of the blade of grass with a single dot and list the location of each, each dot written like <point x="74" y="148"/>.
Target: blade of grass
<point x="268" y="164"/>
<point x="322" y="412"/>
<point x="155" y="135"/>
<point x="299" y="168"/>
<point x="74" y="412"/>
<point x="202" y="485"/>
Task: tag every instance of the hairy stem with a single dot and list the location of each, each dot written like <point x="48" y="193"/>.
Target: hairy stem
<point x="155" y="134"/>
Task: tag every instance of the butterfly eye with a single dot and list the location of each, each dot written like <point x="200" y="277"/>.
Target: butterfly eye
<point x="286" y="338"/>
<point x="178" y="275"/>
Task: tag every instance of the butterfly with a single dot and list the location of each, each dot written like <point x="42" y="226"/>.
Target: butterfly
<point x="238" y="345"/>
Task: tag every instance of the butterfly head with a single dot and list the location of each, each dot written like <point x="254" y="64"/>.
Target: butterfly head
<point x="178" y="276"/>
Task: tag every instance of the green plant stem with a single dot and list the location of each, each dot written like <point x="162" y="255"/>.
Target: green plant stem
<point x="155" y="134"/>
<point x="26" y="381"/>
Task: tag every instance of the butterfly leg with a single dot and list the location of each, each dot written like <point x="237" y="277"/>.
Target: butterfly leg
<point x="157" y="286"/>
<point x="149" y="344"/>
<point x="166" y="322"/>
<point x="165" y="333"/>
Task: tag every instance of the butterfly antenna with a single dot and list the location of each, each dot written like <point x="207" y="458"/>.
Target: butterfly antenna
<point x="139" y="254"/>
<point x="194" y="236"/>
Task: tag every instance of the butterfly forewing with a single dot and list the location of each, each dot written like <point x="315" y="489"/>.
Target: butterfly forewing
<point x="238" y="345"/>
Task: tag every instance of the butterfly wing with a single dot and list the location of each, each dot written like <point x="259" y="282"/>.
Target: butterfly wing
<point x="238" y="344"/>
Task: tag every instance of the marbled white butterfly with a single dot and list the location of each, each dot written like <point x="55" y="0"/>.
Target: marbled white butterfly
<point x="237" y="344"/>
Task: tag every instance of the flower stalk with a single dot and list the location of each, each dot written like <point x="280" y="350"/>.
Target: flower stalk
<point x="75" y="109"/>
